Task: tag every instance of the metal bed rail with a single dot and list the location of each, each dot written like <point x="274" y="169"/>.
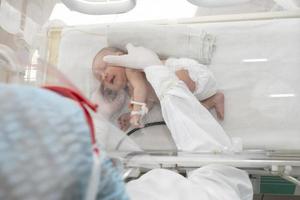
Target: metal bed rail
<point x="285" y="164"/>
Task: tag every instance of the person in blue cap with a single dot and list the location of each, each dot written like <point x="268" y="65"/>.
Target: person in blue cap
<point x="46" y="150"/>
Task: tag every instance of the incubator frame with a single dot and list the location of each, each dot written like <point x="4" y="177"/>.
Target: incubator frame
<point x="285" y="164"/>
<point x="256" y="162"/>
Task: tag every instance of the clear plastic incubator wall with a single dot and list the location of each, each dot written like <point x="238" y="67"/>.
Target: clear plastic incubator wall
<point x="251" y="46"/>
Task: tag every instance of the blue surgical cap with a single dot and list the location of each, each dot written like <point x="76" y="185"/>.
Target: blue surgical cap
<point x="45" y="149"/>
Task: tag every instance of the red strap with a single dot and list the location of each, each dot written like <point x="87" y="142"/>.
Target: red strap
<point x="83" y="102"/>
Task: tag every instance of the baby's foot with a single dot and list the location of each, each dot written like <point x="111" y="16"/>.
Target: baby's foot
<point x="218" y="100"/>
<point x="123" y="121"/>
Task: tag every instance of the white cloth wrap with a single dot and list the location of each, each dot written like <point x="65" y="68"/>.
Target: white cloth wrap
<point x="205" y="81"/>
<point x="164" y="40"/>
<point x="211" y="182"/>
<point x="192" y="127"/>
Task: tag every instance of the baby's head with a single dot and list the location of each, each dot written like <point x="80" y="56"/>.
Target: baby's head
<point x="112" y="77"/>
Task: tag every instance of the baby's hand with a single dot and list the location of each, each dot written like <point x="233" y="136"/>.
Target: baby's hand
<point x="123" y="121"/>
<point x="135" y="121"/>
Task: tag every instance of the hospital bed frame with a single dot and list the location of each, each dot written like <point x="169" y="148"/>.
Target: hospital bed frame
<point x="285" y="164"/>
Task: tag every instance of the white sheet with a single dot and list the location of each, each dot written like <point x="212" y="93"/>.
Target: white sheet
<point x="262" y="98"/>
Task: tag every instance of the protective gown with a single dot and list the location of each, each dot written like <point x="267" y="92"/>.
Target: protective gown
<point x="211" y="182"/>
<point x="45" y="149"/>
<point x="192" y="127"/>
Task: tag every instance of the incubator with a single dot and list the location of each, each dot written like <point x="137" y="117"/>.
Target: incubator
<point x="251" y="46"/>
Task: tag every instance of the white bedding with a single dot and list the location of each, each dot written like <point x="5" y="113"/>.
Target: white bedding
<point x="262" y="98"/>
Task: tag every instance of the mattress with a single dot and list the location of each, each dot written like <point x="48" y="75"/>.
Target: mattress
<point x="256" y="64"/>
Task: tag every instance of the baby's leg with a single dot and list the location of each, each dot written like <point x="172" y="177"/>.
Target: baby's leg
<point x="217" y="102"/>
<point x="184" y="76"/>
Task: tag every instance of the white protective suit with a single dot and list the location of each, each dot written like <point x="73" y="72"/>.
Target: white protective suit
<point x="211" y="182"/>
<point x="192" y="126"/>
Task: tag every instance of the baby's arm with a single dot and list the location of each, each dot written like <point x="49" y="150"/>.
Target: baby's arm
<point x="139" y="94"/>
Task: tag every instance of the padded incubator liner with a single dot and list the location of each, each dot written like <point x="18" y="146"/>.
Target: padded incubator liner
<point x="256" y="64"/>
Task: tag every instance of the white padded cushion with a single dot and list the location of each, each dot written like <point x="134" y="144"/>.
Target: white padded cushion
<point x="254" y="110"/>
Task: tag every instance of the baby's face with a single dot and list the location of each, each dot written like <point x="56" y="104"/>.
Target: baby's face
<point x="112" y="77"/>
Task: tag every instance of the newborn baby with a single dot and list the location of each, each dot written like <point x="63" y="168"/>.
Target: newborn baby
<point x="116" y="78"/>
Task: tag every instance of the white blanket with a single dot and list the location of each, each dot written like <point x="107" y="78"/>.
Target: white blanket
<point x="165" y="40"/>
